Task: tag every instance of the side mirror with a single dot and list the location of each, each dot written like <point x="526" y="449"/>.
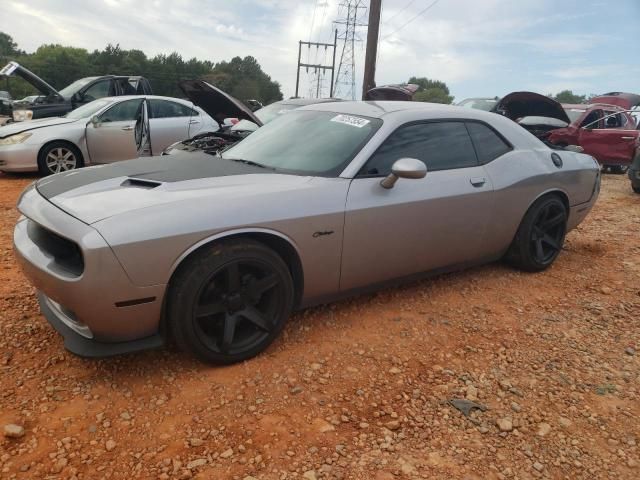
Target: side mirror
<point x="404" y="168"/>
<point x="95" y="121"/>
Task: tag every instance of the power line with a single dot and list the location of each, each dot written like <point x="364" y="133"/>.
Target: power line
<point x="411" y="20"/>
<point x="400" y="11"/>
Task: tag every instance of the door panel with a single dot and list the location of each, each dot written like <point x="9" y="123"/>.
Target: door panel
<point x="114" y="139"/>
<point x="609" y="146"/>
<point x="165" y="131"/>
<point x="169" y="123"/>
<point x="416" y="226"/>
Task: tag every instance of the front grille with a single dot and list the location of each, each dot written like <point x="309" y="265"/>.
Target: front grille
<point x="66" y="254"/>
<point x="3" y="163"/>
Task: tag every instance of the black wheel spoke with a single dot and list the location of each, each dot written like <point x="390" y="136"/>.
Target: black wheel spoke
<point x="264" y="284"/>
<point x="552" y="222"/>
<point x="229" y="332"/>
<point x="233" y="277"/>
<point x="550" y="241"/>
<point x="208" y="309"/>
<point x="257" y="318"/>
<point x="539" y="250"/>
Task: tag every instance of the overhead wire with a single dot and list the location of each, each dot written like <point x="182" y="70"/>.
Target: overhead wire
<point x="422" y="12"/>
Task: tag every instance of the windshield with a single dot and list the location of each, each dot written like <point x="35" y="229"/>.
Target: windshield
<point x="274" y="110"/>
<point x="574" y="113"/>
<point x="485" y="104"/>
<point x="69" y="90"/>
<point x="87" y="110"/>
<point x="306" y="142"/>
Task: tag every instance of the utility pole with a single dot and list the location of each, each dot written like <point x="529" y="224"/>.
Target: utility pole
<point x="369" y="80"/>
<point x="317" y="67"/>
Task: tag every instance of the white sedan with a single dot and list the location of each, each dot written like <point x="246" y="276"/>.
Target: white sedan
<point x="103" y="131"/>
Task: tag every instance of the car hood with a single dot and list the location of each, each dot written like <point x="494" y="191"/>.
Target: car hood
<point x="529" y="104"/>
<point x="218" y="104"/>
<point x="19" y="127"/>
<point x="621" y="99"/>
<point x="96" y="193"/>
<point x="14" y="68"/>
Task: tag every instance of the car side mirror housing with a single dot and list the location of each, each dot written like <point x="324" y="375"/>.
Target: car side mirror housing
<point x="95" y="121"/>
<point x="404" y="168"/>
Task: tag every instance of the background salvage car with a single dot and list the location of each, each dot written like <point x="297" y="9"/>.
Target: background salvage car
<point x="217" y="252"/>
<point x="53" y="103"/>
<point x="103" y="131"/>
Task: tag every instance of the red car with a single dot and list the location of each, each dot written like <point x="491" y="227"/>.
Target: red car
<point x="604" y="128"/>
<point x="606" y="132"/>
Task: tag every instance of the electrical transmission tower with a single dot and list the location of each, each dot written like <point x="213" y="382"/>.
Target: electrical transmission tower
<point x="349" y="14"/>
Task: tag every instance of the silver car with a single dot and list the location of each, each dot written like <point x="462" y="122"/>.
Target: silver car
<point x="329" y="200"/>
<point x="103" y="131"/>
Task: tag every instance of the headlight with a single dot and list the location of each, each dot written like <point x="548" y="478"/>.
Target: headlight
<point x="22" y="115"/>
<point x="15" y="139"/>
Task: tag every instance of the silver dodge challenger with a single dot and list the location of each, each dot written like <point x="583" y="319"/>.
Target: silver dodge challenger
<point x="214" y="251"/>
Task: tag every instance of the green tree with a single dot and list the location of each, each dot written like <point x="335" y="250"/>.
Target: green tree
<point x="567" y="96"/>
<point x="429" y="90"/>
<point x="60" y="65"/>
<point x="244" y="79"/>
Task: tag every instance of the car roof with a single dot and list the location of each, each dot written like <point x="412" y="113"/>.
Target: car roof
<point x="306" y="101"/>
<point x="380" y="109"/>
<point x="151" y="97"/>
<point x="587" y="106"/>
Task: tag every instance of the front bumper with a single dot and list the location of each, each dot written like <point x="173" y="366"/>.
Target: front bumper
<point x="96" y="307"/>
<point x="21" y="157"/>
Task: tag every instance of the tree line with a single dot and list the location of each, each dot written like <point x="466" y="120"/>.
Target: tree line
<point x="61" y="65"/>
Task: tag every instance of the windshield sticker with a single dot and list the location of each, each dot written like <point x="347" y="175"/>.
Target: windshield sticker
<point x="350" y="120"/>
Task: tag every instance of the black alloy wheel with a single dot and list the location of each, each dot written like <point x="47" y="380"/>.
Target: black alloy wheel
<point x="229" y="302"/>
<point x="540" y="237"/>
<point x="235" y="307"/>
<point x="548" y="232"/>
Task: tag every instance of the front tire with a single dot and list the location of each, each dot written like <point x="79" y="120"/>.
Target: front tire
<point x="58" y="157"/>
<point x="540" y="236"/>
<point x="229" y="301"/>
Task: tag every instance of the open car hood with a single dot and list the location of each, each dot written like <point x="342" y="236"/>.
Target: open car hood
<point x="15" y="69"/>
<point x="517" y="105"/>
<point x="621" y="99"/>
<point x="218" y="104"/>
<point x="403" y="92"/>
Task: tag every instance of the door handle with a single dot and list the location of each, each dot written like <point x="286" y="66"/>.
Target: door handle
<point x="628" y="138"/>
<point x="191" y="122"/>
<point x="478" y="181"/>
<point x="127" y="129"/>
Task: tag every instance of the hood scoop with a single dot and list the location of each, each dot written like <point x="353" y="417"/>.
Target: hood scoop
<point x="140" y="183"/>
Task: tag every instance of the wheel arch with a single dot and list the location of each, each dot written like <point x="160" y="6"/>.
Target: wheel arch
<point x="62" y="140"/>
<point x="558" y="192"/>
<point x="277" y="241"/>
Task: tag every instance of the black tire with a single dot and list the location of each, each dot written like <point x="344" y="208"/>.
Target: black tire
<point x="540" y="236"/>
<point x="229" y="301"/>
<point x="617" y="169"/>
<point x="635" y="188"/>
<point x="59" y="156"/>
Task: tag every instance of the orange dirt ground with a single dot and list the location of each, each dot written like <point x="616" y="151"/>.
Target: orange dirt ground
<point x="357" y="389"/>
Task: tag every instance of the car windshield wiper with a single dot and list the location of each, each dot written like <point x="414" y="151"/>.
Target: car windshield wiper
<point x="249" y="162"/>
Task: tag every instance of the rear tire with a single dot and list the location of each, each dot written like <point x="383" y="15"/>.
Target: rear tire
<point x="540" y="236"/>
<point x="229" y="301"/>
<point x="57" y="157"/>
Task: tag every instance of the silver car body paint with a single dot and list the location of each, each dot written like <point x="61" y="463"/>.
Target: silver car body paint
<point x="107" y="143"/>
<point x="133" y="240"/>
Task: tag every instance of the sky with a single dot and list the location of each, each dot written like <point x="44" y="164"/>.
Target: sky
<point x="478" y="47"/>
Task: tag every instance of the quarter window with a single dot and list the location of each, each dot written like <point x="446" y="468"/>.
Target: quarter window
<point x="167" y="109"/>
<point x="123" y="111"/>
<point x="489" y="145"/>
<point x="440" y="145"/>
